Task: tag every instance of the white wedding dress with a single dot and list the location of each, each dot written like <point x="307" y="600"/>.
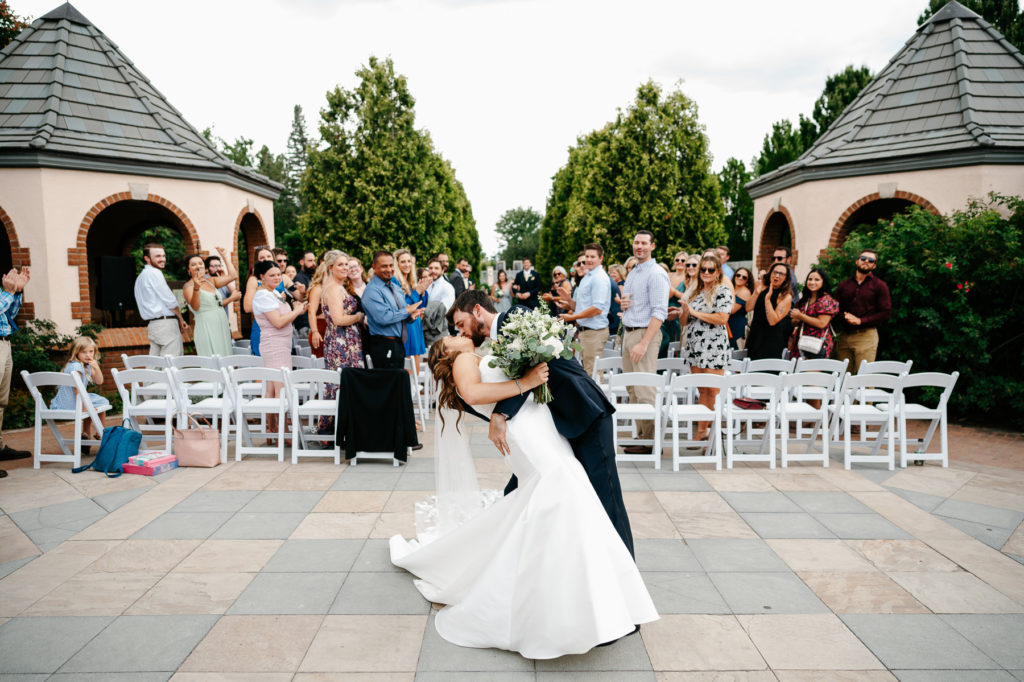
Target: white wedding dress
<point x="540" y="571"/>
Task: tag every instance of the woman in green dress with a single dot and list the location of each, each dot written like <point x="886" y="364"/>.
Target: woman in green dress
<point x="211" y="334"/>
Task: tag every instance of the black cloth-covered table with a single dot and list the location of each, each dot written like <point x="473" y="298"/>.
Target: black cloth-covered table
<point x="375" y="412"/>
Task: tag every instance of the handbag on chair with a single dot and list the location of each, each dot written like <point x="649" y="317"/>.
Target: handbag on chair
<point x="197" y="446"/>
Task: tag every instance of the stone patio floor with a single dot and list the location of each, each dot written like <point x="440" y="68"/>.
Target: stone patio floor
<point x="266" y="571"/>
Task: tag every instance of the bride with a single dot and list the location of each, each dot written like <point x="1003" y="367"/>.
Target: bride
<point x="540" y="571"/>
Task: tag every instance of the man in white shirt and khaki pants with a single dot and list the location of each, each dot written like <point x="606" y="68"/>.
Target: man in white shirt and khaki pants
<point x="158" y="306"/>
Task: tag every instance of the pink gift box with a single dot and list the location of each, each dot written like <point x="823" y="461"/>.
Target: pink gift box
<point x="151" y="470"/>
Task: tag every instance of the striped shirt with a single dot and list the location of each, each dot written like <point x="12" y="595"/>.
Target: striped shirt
<point x="647" y="285"/>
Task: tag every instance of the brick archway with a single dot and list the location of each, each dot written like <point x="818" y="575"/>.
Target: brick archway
<point x="252" y="240"/>
<point x="81" y="310"/>
<point x="767" y="246"/>
<point x="842" y="228"/>
<point x="20" y="256"/>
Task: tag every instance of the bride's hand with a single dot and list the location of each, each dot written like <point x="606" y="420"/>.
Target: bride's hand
<point x="537" y="376"/>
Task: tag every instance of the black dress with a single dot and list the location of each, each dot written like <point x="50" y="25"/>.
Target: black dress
<point x="763" y="339"/>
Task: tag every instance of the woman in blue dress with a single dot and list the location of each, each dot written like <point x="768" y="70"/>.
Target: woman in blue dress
<point x="415" y="291"/>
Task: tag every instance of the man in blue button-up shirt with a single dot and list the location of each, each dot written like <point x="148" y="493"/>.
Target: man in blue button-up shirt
<point x="592" y="299"/>
<point x="10" y="303"/>
<point x="386" y="314"/>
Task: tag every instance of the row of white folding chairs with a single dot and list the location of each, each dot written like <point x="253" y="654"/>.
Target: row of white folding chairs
<point x="787" y="399"/>
<point x="152" y="398"/>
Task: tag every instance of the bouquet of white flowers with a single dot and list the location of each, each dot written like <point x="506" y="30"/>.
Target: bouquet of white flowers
<point x="528" y="339"/>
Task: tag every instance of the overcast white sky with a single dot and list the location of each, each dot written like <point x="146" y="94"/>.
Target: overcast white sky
<point x="503" y="86"/>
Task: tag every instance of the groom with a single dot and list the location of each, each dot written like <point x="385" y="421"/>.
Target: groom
<point x="580" y="409"/>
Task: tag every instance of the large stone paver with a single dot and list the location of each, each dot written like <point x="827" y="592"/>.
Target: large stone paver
<point x="262" y="570"/>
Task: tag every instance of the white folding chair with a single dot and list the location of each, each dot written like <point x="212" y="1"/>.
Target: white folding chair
<point x="671" y="367"/>
<point x="682" y="412"/>
<point x="737" y="366"/>
<point x="835" y="368"/>
<point x="739" y="354"/>
<point x="196" y="362"/>
<point x="312" y="403"/>
<point x="894" y="367"/>
<point x="766" y="366"/>
<point x="611" y="353"/>
<point x="743" y="385"/>
<point x="217" y="404"/>
<point x="230" y="363"/>
<point x="135" y="386"/>
<point x="792" y="408"/>
<point x="83" y="410"/>
<point x="618" y="385"/>
<point x="247" y="405"/>
<point x="605" y="368"/>
<point x="242" y="348"/>
<point x="417" y="387"/>
<point x="319" y="363"/>
<point x="146" y="362"/>
<point x="302" y="362"/>
<point x="849" y="410"/>
<point x="935" y="416"/>
<point x="674" y="348"/>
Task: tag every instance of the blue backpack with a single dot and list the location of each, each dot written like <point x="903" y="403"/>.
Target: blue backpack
<point x="116" y="446"/>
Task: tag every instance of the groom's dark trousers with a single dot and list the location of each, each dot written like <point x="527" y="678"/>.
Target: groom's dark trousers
<point x="583" y="415"/>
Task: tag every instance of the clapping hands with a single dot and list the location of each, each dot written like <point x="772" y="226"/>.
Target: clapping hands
<point x="14" y="282"/>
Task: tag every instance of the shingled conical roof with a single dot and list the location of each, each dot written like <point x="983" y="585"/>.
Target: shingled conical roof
<point x="953" y="96"/>
<point x="69" y="98"/>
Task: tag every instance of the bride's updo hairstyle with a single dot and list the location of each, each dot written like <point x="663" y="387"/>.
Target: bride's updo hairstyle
<point x="441" y="362"/>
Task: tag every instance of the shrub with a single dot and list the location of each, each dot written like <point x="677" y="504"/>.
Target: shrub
<point x="956" y="283"/>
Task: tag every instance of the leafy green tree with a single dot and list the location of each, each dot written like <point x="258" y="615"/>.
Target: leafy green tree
<point x="297" y="154"/>
<point x="10" y="24"/>
<point x="739" y="209"/>
<point x="519" y="231"/>
<point x="786" y="141"/>
<point x="1005" y="15"/>
<point x="840" y="90"/>
<point x="239" y="151"/>
<point x="376" y="182"/>
<point x="956" y="289"/>
<point x="649" y="169"/>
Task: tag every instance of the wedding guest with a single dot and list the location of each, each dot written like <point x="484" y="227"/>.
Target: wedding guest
<point x="440" y="289"/>
<point x="866" y="304"/>
<point x="526" y="286"/>
<point x="307" y="264"/>
<point x="314" y="314"/>
<point x="83" y="360"/>
<point x="357" y="276"/>
<point x="560" y="289"/>
<point x="343" y="345"/>
<point x="679" y="279"/>
<point x="158" y="306"/>
<point x="290" y="272"/>
<point x="252" y="285"/>
<point x="414" y="292"/>
<point x="229" y="293"/>
<point x="212" y="335"/>
<point x="501" y="294"/>
<point x="741" y="283"/>
<point x="644" y="305"/>
<point x="630" y="264"/>
<point x="705" y="313"/>
<point x="593" y="300"/>
<point x="723" y="255"/>
<point x="386" y="314"/>
<point x="460" y="278"/>
<point x="770" y="303"/>
<point x="11" y="297"/>
<point x="274" y="318"/>
<point x="616" y="275"/>
<point x="812" y="315"/>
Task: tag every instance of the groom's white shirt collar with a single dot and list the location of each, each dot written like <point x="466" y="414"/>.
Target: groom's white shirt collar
<point x="494" y="328"/>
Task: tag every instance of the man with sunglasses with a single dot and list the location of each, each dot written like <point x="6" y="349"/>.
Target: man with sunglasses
<point x="864" y="303"/>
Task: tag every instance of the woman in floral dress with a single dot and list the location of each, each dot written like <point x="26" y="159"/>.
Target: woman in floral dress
<point x="342" y="344"/>
<point x="812" y="315"/>
<point x="705" y="314"/>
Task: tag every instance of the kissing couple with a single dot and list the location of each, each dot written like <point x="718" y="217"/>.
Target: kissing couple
<point x="547" y="569"/>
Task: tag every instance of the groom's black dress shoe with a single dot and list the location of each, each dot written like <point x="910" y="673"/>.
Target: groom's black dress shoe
<point x="635" y="630"/>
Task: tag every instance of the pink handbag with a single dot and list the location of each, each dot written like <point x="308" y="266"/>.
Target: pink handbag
<point x="197" y="446"/>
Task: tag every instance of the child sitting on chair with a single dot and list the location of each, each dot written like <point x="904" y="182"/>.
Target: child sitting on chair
<point x="84" y="361"/>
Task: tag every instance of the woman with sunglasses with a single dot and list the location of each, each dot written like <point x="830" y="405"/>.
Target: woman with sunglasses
<point x="560" y="290"/>
<point x="770" y="304"/>
<point x="705" y="312"/>
<point x="741" y="282"/>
